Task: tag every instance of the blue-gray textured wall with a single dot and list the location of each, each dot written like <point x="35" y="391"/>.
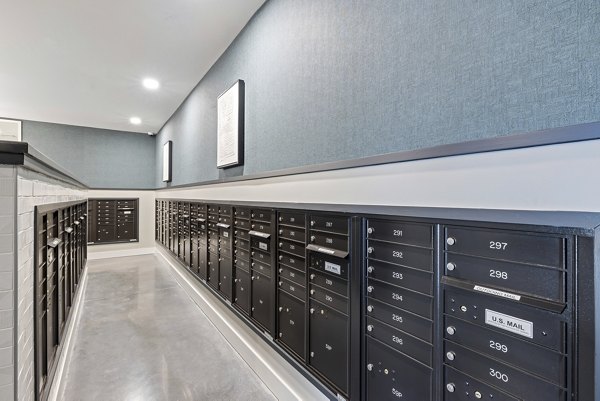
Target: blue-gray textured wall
<point x="340" y="79"/>
<point x="98" y="158"/>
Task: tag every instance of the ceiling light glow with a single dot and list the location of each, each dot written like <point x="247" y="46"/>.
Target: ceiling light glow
<point x="135" y="120"/>
<point x="151" y="83"/>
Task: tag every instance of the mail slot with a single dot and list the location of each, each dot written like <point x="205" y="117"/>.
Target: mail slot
<point x="293" y="219"/>
<point x="331" y="241"/>
<point x="292" y="261"/>
<point x="408" y="322"/>
<point x="526" y="323"/>
<point x="329" y="298"/>
<point x="401" y="232"/>
<point x="332" y="224"/>
<point x="292" y="288"/>
<point x="392" y="376"/>
<point x="457" y="385"/>
<point x="295" y="234"/>
<point x="241" y="244"/>
<point x="291" y="247"/>
<point x="329" y="264"/>
<point x="408" y="300"/>
<point x="291" y="323"/>
<point x="261" y="268"/>
<point x="264" y="244"/>
<point x="241" y="234"/>
<point x="262" y="215"/>
<point x="521" y="354"/>
<point x="329" y="282"/>
<point x="242" y="212"/>
<point x="328" y="344"/>
<point x="293" y="275"/>
<point x="242" y="290"/>
<point x="407" y="277"/>
<point x="239" y="223"/>
<point x="405" y="255"/>
<point x="507" y="245"/>
<point x="530" y="279"/>
<point x="501" y="375"/>
<point x="403" y="342"/>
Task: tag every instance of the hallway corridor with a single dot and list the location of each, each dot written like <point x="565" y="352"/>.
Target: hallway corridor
<point x="141" y="338"/>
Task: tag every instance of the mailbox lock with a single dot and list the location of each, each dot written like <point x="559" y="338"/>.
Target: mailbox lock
<point x="450" y="266"/>
<point x="450" y="355"/>
<point x="280" y="283"/>
<point x="370" y="230"/>
<point x="463" y="308"/>
<point x="451" y="330"/>
<point x="370" y="269"/>
<point x="370" y="367"/>
<point x="312" y="223"/>
<point x="280" y="308"/>
<point x="370" y="249"/>
<point x="370" y="327"/>
<point x="280" y="218"/>
<point x="280" y="231"/>
<point x="280" y="244"/>
<point x="312" y="310"/>
<point x="451" y="241"/>
<point x="280" y="257"/>
<point x="312" y="238"/>
<point x="478" y="395"/>
<point x="312" y="292"/>
<point x="370" y="308"/>
<point x="280" y="270"/>
<point x="450" y="387"/>
<point x="370" y="289"/>
<point x="312" y="276"/>
<point x="280" y="335"/>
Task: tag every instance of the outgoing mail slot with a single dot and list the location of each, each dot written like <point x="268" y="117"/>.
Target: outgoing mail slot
<point x="457" y="384"/>
<point x="521" y="354"/>
<point x="262" y="215"/>
<point x="507" y="245"/>
<point x="264" y="244"/>
<point x="239" y="223"/>
<point x="329" y="282"/>
<point x="242" y="212"/>
<point x="291" y="323"/>
<point x="330" y="241"/>
<point x="241" y="244"/>
<point x="262" y="268"/>
<point x="293" y="275"/>
<point x="392" y="376"/>
<point x="501" y="375"/>
<point x="524" y="322"/>
<point x="332" y="224"/>
<point x="292" y="288"/>
<point x="401" y="232"/>
<point x="292" y="218"/>
<point x="292" y="233"/>
<point x="292" y="261"/>
<point x="329" y="264"/>
<point x="260" y="226"/>
<point x="242" y="290"/>
<point x="408" y="300"/>
<point x="407" y="277"/>
<point x="329" y="298"/>
<point x="328" y="344"/>
<point x="291" y="247"/>
<point x="403" y="342"/>
<point x="408" y="322"/>
<point x="535" y="280"/>
<point x="405" y="255"/>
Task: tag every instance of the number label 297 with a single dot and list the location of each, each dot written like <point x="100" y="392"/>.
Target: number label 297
<point x="497" y="245"/>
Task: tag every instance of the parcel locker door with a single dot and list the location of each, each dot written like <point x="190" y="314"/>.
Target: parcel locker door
<point x="262" y="307"/>
<point x="242" y="290"/>
<point x="291" y="323"/>
<point x="225" y="278"/>
<point x="328" y="348"/>
<point x="202" y="261"/>
<point x="213" y="271"/>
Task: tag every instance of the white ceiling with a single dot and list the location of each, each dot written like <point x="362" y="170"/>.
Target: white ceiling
<point x="81" y="62"/>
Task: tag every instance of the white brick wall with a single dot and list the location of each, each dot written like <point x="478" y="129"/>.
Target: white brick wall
<point x="32" y="189"/>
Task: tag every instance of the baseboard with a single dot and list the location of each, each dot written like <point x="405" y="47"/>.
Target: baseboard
<point x="94" y="255"/>
<point x="282" y="379"/>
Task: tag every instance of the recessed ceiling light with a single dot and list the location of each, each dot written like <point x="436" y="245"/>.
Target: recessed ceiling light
<point x="135" y="120"/>
<point x="151" y="83"/>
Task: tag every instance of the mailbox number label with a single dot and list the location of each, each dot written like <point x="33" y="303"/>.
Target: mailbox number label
<point x="498" y="245"/>
<point x="498" y="375"/>
<point x="398" y="233"/>
<point x="396" y="318"/>
<point x="396" y="297"/>
<point x="498" y="346"/>
<point x="498" y="274"/>
<point x="397" y="254"/>
<point x="397" y="276"/>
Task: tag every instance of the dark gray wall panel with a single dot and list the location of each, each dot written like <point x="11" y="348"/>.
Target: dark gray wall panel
<point x="99" y="158"/>
<point x="333" y="80"/>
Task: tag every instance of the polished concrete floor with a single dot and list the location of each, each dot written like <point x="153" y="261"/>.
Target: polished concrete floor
<point x="141" y="338"/>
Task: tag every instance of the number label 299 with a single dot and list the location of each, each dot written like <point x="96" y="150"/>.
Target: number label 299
<point x="501" y="246"/>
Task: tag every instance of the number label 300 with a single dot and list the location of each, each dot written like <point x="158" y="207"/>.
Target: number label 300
<point x="499" y="375"/>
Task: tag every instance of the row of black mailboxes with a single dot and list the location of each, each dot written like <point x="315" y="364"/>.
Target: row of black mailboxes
<point x="405" y="304"/>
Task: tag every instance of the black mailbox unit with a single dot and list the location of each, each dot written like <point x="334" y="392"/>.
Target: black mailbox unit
<point x="418" y="304"/>
<point x="112" y="221"/>
<point x="60" y="255"/>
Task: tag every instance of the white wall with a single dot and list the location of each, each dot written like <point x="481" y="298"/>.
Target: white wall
<point x="146" y="226"/>
<point x="556" y="177"/>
